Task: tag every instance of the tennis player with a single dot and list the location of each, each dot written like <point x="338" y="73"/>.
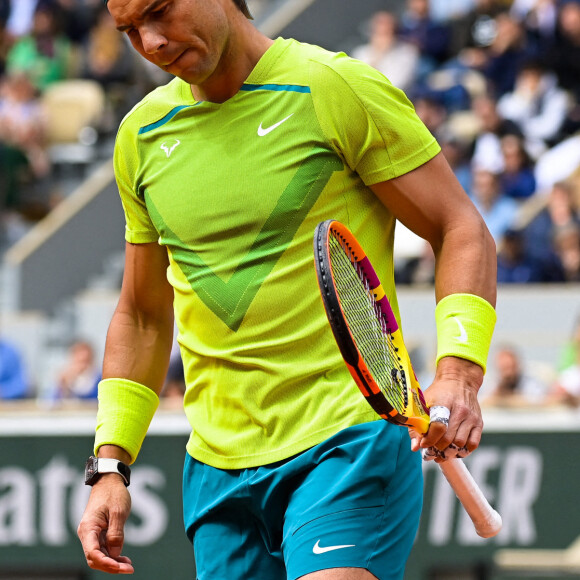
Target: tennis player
<point x="224" y="174"/>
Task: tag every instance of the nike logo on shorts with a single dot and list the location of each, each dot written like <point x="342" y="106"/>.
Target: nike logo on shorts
<point x="318" y="549"/>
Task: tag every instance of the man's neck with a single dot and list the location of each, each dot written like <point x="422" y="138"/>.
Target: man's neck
<point x="238" y="61"/>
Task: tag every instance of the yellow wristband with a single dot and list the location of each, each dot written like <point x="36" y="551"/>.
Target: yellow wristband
<point x="125" y="412"/>
<point x="465" y="324"/>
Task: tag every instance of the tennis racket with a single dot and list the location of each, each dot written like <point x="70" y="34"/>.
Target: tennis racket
<point x="371" y="344"/>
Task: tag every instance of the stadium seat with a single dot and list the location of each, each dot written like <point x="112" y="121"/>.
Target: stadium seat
<point x="74" y="110"/>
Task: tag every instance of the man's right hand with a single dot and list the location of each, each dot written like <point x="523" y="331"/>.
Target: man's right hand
<point x="101" y="528"/>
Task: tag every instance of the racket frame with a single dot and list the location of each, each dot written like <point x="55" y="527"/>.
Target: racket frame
<point x="416" y="414"/>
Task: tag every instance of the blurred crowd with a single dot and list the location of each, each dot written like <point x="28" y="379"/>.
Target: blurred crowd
<point x="76" y="378"/>
<point x="514" y="382"/>
<point x="67" y="77"/>
<point x="496" y="81"/>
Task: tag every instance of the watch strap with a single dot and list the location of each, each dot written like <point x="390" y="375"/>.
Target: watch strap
<point x="97" y="466"/>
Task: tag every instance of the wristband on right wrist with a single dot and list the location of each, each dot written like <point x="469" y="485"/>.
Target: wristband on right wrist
<point x="125" y="412"/>
<point x="465" y="324"/>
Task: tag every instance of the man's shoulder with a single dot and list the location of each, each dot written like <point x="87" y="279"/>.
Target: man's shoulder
<point x="329" y="73"/>
<point x="338" y="62"/>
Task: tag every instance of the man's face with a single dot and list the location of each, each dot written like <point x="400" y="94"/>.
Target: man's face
<point x="186" y="38"/>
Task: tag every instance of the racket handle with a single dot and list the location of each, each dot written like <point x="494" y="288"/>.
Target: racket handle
<point x="486" y="520"/>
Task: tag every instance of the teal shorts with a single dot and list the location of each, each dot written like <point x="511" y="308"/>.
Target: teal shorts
<point x="354" y="500"/>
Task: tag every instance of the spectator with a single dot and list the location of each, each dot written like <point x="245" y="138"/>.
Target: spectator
<point x="474" y="31"/>
<point x="429" y="36"/>
<point x="517" y="179"/>
<point x="516" y="265"/>
<point x="22" y="124"/>
<point x="77" y="18"/>
<point x="24" y="162"/>
<point x="109" y="61"/>
<point x="107" y="58"/>
<point x="396" y="59"/>
<point x="13" y="382"/>
<point x="450" y="10"/>
<point x="45" y="54"/>
<point x="174" y="387"/>
<point x="21" y="15"/>
<point x="564" y="56"/>
<point x="490" y="67"/>
<point x="4" y="12"/>
<point x="537" y="104"/>
<point x="509" y="50"/>
<point x="498" y="211"/>
<point x="567" y="247"/>
<point x="4" y="36"/>
<point x="80" y="376"/>
<point x="570" y="354"/>
<point x="414" y="261"/>
<point x="566" y="389"/>
<point x="457" y="152"/>
<point x="487" y="153"/>
<point x="539" y="18"/>
<point x="559" y="213"/>
<point x="432" y="111"/>
<point x="512" y="386"/>
<point x="558" y="163"/>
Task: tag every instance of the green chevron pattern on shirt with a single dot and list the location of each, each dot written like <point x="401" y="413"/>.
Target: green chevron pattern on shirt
<point x="230" y="300"/>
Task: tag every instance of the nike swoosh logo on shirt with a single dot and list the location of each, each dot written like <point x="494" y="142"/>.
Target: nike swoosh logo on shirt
<point x="318" y="549"/>
<point x="262" y="132"/>
<point x="462" y="338"/>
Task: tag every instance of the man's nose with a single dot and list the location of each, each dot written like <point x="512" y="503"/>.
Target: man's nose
<point x="152" y="40"/>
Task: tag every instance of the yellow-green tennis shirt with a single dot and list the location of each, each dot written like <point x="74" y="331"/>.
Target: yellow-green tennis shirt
<point x="234" y="192"/>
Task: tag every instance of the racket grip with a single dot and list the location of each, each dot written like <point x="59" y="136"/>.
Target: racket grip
<point x="486" y="520"/>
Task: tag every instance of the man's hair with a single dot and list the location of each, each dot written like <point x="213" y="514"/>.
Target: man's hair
<point x="241" y="4"/>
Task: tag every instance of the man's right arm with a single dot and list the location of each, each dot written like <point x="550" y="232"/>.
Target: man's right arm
<point x="140" y="335"/>
<point x="138" y="346"/>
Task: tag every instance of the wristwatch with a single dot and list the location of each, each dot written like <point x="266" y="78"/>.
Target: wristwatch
<point x="96" y="466"/>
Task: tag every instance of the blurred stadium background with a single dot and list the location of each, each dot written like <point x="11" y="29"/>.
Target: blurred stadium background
<point x="468" y="66"/>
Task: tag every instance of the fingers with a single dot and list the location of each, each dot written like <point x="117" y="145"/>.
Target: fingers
<point x="438" y="427"/>
<point x="459" y="437"/>
<point x="455" y="415"/>
<point x="101" y="528"/>
<point x="114" y="537"/>
<point x="415" y="439"/>
<point x="97" y="555"/>
<point x="98" y="560"/>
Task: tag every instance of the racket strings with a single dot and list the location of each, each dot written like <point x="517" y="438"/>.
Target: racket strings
<point x="367" y="324"/>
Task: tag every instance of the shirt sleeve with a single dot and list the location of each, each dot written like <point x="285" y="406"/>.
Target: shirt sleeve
<point x="139" y="228"/>
<point x="370" y="123"/>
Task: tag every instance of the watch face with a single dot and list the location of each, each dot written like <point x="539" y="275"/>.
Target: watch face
<point x="90" y="470"/>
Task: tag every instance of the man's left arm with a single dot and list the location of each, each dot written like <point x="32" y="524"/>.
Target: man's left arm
<point x="431" y="203"/>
